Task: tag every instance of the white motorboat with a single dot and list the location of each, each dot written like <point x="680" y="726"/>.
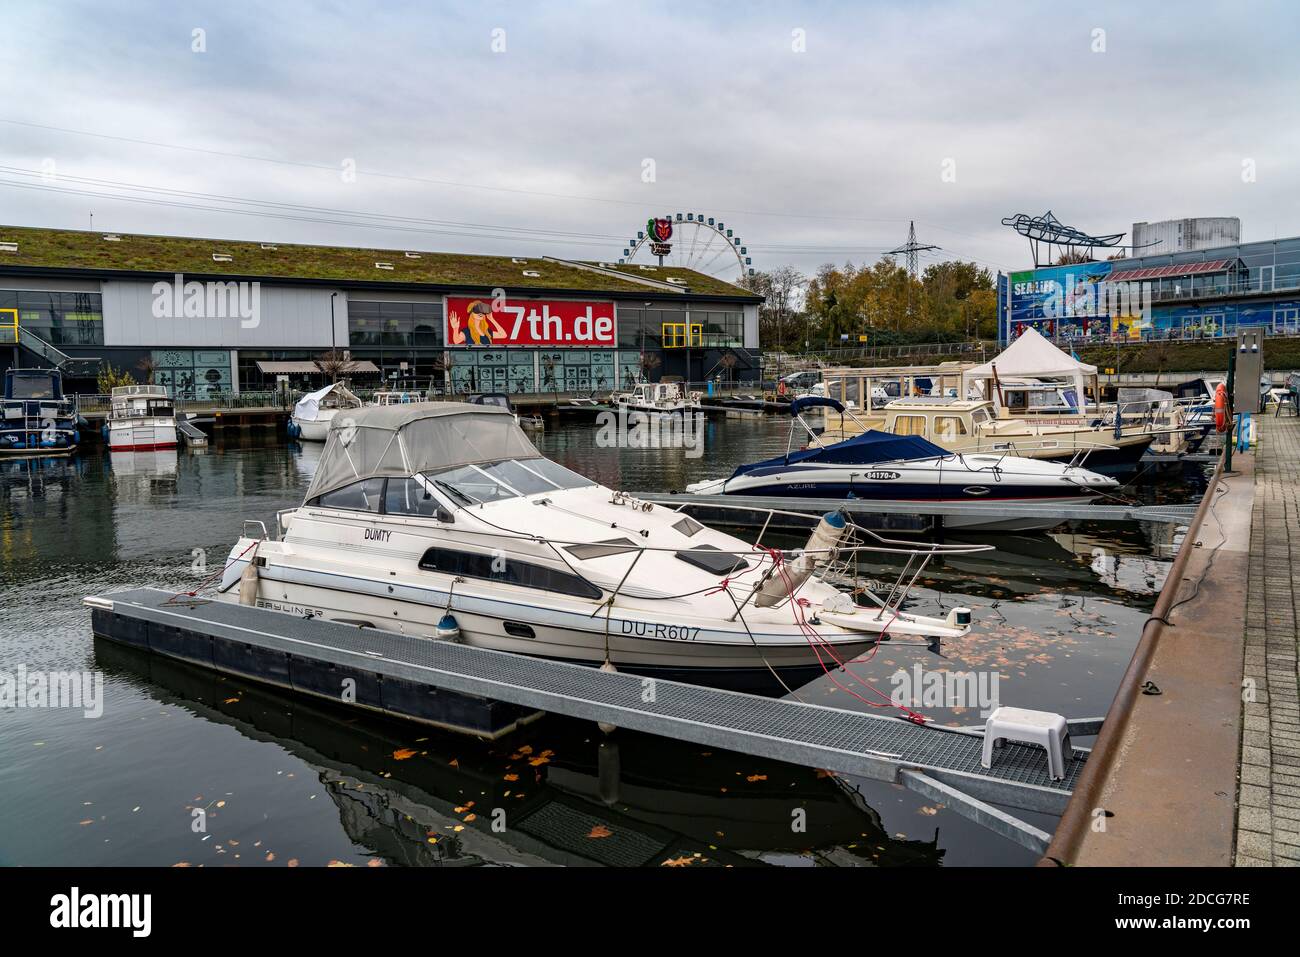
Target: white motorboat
<point x="533" y="423"/>
<point x="141" y="418"/>
<point x="314" y="412"/>
<point x="396" y="397"/>
<point x="880" y="466"/>
<point x="442" y="520"/>
<point x="658" y="398"/>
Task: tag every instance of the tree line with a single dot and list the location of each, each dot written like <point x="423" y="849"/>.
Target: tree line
<point x="951" y="301"/>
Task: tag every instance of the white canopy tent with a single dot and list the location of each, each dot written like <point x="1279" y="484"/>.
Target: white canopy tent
<point x="1031" y="357"/>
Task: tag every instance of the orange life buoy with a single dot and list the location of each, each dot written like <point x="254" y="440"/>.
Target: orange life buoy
<point x="1221" y="408"/>
<point x="780" y="387"/>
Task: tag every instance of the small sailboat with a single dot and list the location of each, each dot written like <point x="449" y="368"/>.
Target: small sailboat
<point x="315" y="411"/>
<point x="881" y="466"/>
<point x="533" y="423"/>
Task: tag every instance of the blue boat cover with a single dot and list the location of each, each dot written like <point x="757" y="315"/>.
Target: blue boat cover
<point x="865" y="449"/>
<point x="812" y="402"/>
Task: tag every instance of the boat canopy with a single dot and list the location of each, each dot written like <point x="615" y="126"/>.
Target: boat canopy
<point x="868" y="448"/>
<point x="812" y="402"/>
<point x="308" y="407"/>
<point x="397" y="441"/>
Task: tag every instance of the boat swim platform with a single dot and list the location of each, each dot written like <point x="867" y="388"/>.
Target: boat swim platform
<point x="399" y="675"/>
<point x="919" y="516"/>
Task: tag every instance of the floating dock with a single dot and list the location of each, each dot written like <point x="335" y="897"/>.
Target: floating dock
<point x="190" y="434"/>
<point x="902" y="516"/>
<point x="1198" y="764"/>
<point x="489" y="692"/>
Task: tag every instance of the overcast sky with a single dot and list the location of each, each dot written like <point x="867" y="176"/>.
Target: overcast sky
<point x="815" y="146"/>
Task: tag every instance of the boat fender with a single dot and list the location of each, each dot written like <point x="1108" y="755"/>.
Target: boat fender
<point x="823" y="542"/>
<point x="608" y="667"/>
<point x="448" y="628"/>
<point x="248" y="581"/>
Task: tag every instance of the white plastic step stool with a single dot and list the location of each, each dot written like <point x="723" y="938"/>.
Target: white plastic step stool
<point x="1029" y="727"/>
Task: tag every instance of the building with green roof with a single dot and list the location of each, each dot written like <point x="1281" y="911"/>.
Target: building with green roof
<point x="216" y="315"/>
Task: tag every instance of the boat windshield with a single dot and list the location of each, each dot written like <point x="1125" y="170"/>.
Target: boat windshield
<point x="508" y="478"/>
<point x="33" y="387"/>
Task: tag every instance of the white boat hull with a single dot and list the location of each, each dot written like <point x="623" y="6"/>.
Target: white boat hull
<point x="975" y="479"/>
<point x="315" y="430"/>
<point x="141" y="434"/>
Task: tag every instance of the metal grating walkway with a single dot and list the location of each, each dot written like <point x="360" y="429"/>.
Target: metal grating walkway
<point x="867" y="745"/>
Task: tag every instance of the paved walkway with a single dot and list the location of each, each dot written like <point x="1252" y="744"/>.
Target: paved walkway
<point x="1268" y="811"/>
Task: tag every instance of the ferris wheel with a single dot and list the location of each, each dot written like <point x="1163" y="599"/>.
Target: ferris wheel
<point x="690" y="241"/>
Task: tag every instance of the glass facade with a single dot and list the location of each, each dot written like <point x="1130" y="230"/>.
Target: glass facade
<point x="404" y="339"/>
<point x="641" y="327"/>
<point x="399" y="325"/>
<point x="60" y="318"/>
<point x="1190" y="306"/>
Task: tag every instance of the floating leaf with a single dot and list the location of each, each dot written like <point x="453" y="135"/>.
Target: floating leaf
<point x="401" y="754"/>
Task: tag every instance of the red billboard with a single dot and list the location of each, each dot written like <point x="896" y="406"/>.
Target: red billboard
<point x="529" y="322"/>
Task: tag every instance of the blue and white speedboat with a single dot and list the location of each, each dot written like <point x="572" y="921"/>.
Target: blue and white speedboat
<point x="36" y="418"/>
<point x="906" y="468"/>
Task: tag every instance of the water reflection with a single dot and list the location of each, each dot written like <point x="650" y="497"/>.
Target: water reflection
<point x="1056" y="615"/>
<point x="565" y="794"/>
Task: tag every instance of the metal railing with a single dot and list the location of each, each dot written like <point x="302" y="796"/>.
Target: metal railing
<point x="52" y="354"/>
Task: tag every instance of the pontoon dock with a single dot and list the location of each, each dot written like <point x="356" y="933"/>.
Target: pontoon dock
<point x="410" y="677"/>
<point x="913" y="515"/>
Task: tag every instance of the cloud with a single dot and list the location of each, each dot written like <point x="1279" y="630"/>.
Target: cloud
<point x="814" y="156"/>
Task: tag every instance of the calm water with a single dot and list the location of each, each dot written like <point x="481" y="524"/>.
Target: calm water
<point x="284" y="780"/>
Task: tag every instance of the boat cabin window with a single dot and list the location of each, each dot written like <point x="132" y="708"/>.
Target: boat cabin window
<point x="909" y="425"/>
<point x="408" y="497"/>
<point x="949" y="426"/>
<point x="603" y="549"/>
<point x="509" y="478"/>
<point x="688" y="526"/>
<point x="364" y="496"/>
<point x="981" y="415"/>
<point x="507" y="571"/>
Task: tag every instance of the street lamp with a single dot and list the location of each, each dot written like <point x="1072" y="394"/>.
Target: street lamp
<point x="333" y="335"/>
